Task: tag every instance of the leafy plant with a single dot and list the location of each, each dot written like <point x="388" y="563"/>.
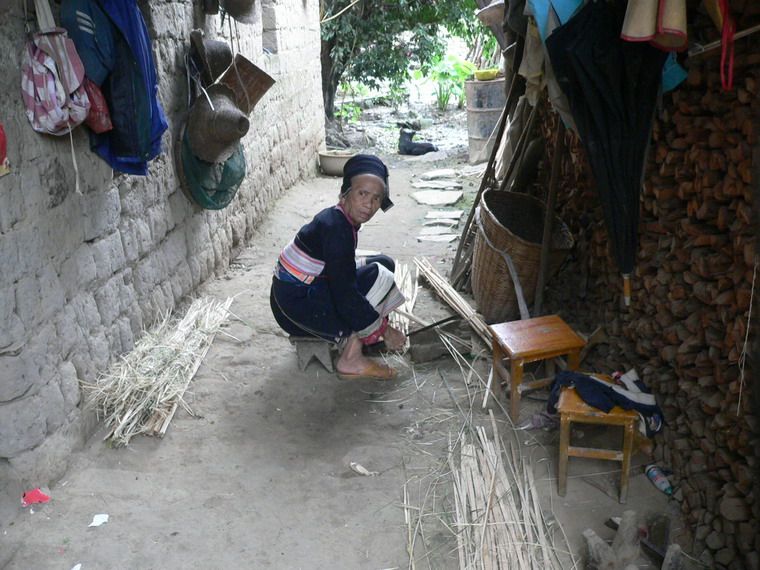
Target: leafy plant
<point x="449" y="75"/>
<point x="348" y="112"/>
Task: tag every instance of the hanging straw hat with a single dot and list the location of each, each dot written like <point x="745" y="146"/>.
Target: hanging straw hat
<point x="248" y="82"/>
<point x="242" y="10"/>
<point x="214" y="129"/>
<point x="212" y="56"/>
<point x="493" y="14"/>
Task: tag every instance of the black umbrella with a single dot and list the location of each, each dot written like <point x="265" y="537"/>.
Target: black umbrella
<point x="612" y="87"/>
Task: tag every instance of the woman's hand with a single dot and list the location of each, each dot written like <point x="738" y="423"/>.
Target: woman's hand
<point x="394" y="338"/>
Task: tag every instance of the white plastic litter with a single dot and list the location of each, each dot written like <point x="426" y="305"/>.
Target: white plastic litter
<point x="361" y="470"/>
<point x="98" y="520"/>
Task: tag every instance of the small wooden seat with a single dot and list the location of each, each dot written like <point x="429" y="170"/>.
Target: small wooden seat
<point x="572" y="409"/>
<point x="530" y="340"/>
<point x="308" y="347"/>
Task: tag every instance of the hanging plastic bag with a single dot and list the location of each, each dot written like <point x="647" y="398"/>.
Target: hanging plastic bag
<point x="99" y="118"/>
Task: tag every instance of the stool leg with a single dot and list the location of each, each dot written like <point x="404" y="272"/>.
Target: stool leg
<point x="498" y="357"/>
<point x="564" y="442"/>
<point x="516" y="373"/>
<point x="626" y="466"/>
<point x="574" y="360"/>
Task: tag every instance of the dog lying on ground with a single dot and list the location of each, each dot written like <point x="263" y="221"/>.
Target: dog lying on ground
<point x="407" y="146"/>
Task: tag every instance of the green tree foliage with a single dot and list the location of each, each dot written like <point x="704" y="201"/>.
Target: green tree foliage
<point x="377" y="41"/>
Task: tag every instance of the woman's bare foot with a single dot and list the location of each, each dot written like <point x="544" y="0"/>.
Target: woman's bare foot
<point x="353" y="364"/>
<point x="352" y="361"/>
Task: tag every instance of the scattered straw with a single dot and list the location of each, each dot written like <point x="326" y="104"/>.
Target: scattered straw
<point x="142" y="391"/>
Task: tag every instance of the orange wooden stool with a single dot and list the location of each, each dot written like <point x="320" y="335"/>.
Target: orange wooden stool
<point x="572" y="409"/>
<point x="529" y="340"/>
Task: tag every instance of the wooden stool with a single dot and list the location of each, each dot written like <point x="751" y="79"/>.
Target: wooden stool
<point x="529" y="340"/>
<point x="573" y="409"/>
<point x="308" y="347"/>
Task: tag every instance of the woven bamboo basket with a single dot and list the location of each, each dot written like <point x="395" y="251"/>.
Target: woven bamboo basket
<point x="513" y="223"/>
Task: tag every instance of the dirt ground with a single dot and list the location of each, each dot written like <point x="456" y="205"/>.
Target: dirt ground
<point x="260" y="477"/>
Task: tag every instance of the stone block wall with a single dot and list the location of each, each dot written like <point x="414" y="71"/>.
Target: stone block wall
<point x="692" y="290"/>
<point x="82" y="274"/>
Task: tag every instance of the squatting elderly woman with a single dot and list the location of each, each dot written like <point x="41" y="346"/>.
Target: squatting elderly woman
<point x="320" y="289"/>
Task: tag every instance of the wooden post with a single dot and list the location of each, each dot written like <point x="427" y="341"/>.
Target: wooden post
<point x="559" y="151"/>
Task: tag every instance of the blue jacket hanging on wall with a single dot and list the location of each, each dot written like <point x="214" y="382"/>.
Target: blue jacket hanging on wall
<point x="112" y="41"/>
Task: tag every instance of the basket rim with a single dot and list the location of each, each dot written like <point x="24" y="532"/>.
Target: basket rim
<point x="559" y="226"/>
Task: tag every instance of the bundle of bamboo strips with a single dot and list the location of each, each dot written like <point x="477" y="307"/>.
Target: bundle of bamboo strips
<point x="498" y="518"/>
<point x="407" y="284"/>
<point x="453" y="299"/>
<point x="141" y="392"/>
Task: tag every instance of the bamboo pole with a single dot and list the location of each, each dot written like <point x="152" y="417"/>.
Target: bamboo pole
<point x="559" y="153"/>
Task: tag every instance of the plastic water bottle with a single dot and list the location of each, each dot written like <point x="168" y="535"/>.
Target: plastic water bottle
<point x="659" y="479"/>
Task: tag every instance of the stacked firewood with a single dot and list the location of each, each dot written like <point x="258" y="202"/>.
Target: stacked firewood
<point x="686" y="329"/>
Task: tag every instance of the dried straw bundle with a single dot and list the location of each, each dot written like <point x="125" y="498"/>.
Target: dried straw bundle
<point x="142" y="391"/>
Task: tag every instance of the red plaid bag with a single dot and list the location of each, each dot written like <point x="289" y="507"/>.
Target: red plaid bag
<point x="51" y="78"/>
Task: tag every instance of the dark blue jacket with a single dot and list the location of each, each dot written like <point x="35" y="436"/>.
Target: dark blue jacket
<point x="635" y="395"/>
<point x="112" y="40"/>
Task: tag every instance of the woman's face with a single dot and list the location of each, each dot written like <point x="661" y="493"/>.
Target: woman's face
<point x="363" y="198"/>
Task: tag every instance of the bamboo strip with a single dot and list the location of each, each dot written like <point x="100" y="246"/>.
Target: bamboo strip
<point x="399" y="318"/>
<point x="453" y="299"/>
<point x="409" y="533"/>
<point x="458" y="509"/>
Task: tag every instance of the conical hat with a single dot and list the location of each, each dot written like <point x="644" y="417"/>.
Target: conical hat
<point x="493" y="14"/>
<point x="247" y="81"/>
<point x="214" y="129"/>
<point x="213" y="56"/>
<point x="242" y="10"/>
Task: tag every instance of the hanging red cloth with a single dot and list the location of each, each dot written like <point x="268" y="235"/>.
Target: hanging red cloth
<point x="5" y="166"/>
<point x="727" y="51"/>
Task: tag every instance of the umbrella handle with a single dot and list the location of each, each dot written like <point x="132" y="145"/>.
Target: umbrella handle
<point x="627" y="289"/>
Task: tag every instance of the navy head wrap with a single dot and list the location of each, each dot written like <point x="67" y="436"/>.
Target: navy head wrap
<point x="366" y="164"/>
